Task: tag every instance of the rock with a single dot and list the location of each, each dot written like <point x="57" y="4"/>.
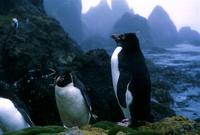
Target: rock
<point x="113" y="129"/>
<point x="174" y="125"/>
<point x="27" y="55"/>
<point x="20" y="6"/>
<point x="41" y="43"/>
<point x="163" y="30"/>
<point x="38" y="130"/>
<point x="137" y="24"/>
<point x="119" y="7"/>
<point x="102" y="14"/>
<point x="187" y="35"/>
<point x="160" y="111"/>
<point x="95" y="71"/>
<point x="97" y="42"/>
<point x="68" y="13"/>
<point x="37" y="92"/>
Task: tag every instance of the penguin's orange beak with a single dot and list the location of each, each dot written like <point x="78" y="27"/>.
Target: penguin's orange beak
<point x="115" y="37"/>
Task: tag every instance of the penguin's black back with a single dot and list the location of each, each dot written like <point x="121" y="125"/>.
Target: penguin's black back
<point x="79" y="84"/>
<point x="133" y="70"/>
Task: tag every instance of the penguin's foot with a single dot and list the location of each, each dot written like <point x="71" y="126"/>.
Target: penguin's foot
<point x="124" y="122"/>
<point x="73" y="131"/>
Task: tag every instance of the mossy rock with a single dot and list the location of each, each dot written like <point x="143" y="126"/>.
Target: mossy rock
<point x="169" y="126"/>
<point x="176" y="125"/>
<point x="5" y="19"/>
<point x="37" y="130"/>
<point x="113" y="129"/>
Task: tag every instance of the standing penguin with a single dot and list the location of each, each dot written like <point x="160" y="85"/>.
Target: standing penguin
<point x="12" y="117"/>
<point x="72" y="102"/>
<point x="131" y="79"/>
<point x="15" y="23"/>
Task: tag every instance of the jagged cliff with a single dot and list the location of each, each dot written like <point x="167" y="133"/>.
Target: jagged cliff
<point x="163" y="30"/>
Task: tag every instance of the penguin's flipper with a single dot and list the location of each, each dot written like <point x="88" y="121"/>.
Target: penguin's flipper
<point x="26" y="117"/>
<point x="24" y="111"/>
<point x="78" y="83"/>
<point x="123" y="81"/>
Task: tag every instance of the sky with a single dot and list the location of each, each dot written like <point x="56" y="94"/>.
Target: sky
<point x="182" y="12"/>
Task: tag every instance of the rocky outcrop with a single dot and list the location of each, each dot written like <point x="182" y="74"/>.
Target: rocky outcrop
<point x="173" y="125"/>
<point x="163" y="30"/>
<point x="18" y="7"/>
<point x="119" y="7"/>
<point x="96" y="42"/>
<point x="187" y="35"/>
<point x="98" y="20"/>
<point x="137" y="24"/>
<point x="38" y="42"/>
<point x="28" y="53"/>
<point x="68" y="13"/>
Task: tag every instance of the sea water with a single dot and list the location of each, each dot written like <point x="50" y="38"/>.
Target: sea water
<point x="184" y="58"/>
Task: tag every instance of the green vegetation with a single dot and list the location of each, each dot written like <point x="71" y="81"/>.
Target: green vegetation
<point x="37" y="130"/>
<point x="5" y="19"/>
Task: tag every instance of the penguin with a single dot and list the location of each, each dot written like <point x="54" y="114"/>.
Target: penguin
<point x="15" y="23"/>
<point x="72" y="101"/>
<point x="12" y="117"/>
<point x="131" y="79"/>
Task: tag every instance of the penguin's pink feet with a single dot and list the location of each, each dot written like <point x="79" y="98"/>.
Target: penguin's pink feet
<point x="125" y="122"/>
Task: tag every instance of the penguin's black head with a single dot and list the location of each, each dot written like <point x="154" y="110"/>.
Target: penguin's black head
<point x="126" y="40"/>
<point x="63" y="80"/>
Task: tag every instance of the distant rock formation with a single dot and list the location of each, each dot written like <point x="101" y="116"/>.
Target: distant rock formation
<point x="100" y="19"/>
<point x="187" y="35"/>
<point x="137" y="24"/>
<point x="94" y="42"/>
<point x="164" y="31"/>
<point x="68" y="13"/>
<point x="119" y="7"/>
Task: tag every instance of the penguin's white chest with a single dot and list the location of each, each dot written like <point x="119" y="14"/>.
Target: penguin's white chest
<point x="71" y="105"/>
<point x="10" y="118"/>
<point x="115" y="68"/>
<point x="115" y="78"/>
